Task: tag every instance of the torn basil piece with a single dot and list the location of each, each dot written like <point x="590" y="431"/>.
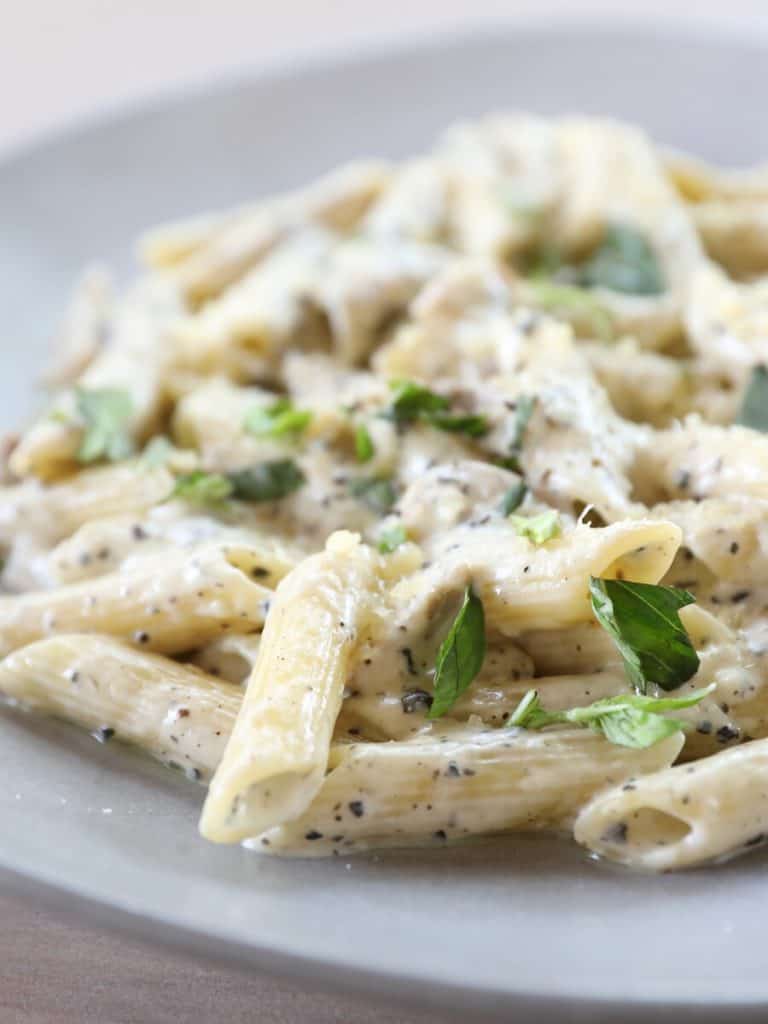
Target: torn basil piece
<point x="461" y="655"/>
<point x="644" y="623"/>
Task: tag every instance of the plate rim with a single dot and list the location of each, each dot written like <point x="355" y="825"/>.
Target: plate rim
<point x="172" y="934"/>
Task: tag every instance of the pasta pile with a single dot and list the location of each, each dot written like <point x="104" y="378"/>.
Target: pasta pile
<point x="426" y="502"/>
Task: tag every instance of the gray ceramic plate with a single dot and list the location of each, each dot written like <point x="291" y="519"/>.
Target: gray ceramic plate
<point x="516" y="925"/>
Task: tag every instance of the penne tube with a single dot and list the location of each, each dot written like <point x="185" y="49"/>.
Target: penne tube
<point x="104" y="545"/>
<point x="457" y="784"/>
<point x="169" y="604"/>
<point x="133" y="363"/>
<point x="682" y="816"/>
<point x="54" y="511"/>
<point x="175" y="713"/>
<point x="277" y="756"/>
<point x="524" y="586"/>
<point x="229" y="657"/>
<point x="336" y="201"/>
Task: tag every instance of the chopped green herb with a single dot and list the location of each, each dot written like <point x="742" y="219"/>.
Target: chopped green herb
<point x="377" y="492"/>
<point x="267" y="481"/>
<point x="629" y="720"/>
<point x="623" y="262"/>
<point x="277" y="420"/>
<point x="514" y="498"/>
<point x="524" y="406"/>
<point x="572" y="301"/>
<point x="412" y="402"/>
<point x="364" y="447"/>
<point x="754" y="406"/>
<point x="156" y="453"/>
<point x="390" y="540"/>
<point x="105" y="413"/>
<point x="461" y="655"/>
<point x="472" y="426"/>
<point x="538" y="529"/>
<point x="644" y="623"/>
<point x="201" y="488"/>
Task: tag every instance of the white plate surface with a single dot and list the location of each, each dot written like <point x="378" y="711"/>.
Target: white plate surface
<point x="520" y="925"/>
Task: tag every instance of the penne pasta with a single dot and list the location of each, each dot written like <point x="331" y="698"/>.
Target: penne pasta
<point x="175" y="713"/>
<point x="426" y="501"/>
<point x="457" y="785"/>
<point x="277" y="756"/>
<point x="684" y="815"/>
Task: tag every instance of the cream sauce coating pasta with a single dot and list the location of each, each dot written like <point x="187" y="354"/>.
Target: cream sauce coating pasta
<point x="270" y="472"/>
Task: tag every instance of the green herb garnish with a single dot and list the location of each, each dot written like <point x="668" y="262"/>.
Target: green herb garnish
<point x="538" y="529"/>
<point x="574" y="301"/>
<point x="754" y="406"/>
<point x="412" y="402"/>
<point x="524" y="406"/>
<point x="105" y="413"/>
<point x="364" y="447"/>
<point x="377" y="492"/>
<point x="266" y="481"/>
<point x="390" y="540"/>
<point x="461" y="655"/>
<point x="623" y="262"/>
<point x="277" y="420"/>
<point x="644" y="623"/>
<point x="201" y="488"/>
<point x="629" y="720"/>
<point x="472" y="426"/>
<point x="513" y="499"/>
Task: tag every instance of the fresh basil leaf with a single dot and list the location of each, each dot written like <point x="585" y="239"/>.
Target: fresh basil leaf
<point x="156" y="453"/>
<point x="390" y="540"/>
<point x="105" y="413"/>
<point x="754" y="406"/>
<point x="364" y="447"/>
<point x="514" y="498"/>
<point x="644" y="623"/>
<point x="412" y="401"/>
<point x="629" y="720"/>
<point x="201" y="488"/>
<point x="623" y="262"/>
<point x="569" y="300"/>
<point x="461" y="655"/>
<point x="472" y="426"/>
<point x="277" y="420"/>
<point x="538" y="529"/>
<point x="267" y="481"/>
<point x="377" y="492"/>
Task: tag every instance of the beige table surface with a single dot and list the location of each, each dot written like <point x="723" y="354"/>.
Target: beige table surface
<point x="64" y="59"/>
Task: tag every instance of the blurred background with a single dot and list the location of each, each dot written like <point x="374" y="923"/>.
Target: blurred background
<point x="61" y="60"/>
